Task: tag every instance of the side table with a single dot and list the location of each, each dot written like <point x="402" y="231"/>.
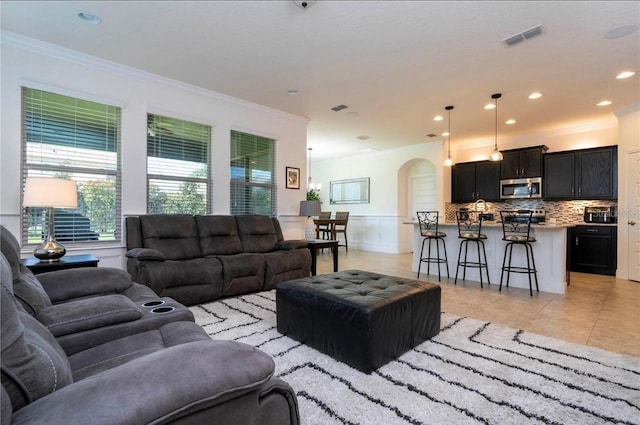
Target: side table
<point x="317" y="244"/>
<point x="67" y="262"/>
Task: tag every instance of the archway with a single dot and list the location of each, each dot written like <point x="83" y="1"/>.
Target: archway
<point x="417" y="190"/>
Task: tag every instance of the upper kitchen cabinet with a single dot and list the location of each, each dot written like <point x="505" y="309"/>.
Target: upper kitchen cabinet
<point x="471" y="181"/>
<point x="581" y="174"/>
<point x="522" y="163"/>
<point x="597" y="173"/>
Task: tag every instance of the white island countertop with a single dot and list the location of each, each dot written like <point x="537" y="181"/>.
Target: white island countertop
<point x="549" y="250"/>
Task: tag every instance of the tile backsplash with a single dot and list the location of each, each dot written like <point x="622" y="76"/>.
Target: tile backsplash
<point x="565" y="212"/>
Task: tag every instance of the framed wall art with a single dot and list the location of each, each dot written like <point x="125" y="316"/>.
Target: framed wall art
<point x="293" y="178"/>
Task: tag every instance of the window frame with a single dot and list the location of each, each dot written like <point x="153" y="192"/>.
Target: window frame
<point x="247" y="184"/>
<point x="207" y="180"/>
<point x="35" y="169"/>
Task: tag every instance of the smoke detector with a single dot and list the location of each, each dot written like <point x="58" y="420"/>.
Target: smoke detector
<point x="304" y="4"/>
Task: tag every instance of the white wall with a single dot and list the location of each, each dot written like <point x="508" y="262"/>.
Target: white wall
<point x="26" y="61"/>
<point x="378" y="225"/>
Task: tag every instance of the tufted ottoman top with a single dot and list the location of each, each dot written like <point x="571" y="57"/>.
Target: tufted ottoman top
<point x="360" y="289"/>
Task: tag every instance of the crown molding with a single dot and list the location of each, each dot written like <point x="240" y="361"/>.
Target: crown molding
<point x="62" y="53"/>
<point x="635" y="107"/>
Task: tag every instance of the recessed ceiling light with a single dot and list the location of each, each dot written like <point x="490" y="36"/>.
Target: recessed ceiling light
<point x="353" y="114"/>
<point x="489" y="106"/>
<point x="445" y="134"/>
<point x="90" y="18"/>
<point x="604" y="103"/>
<point x="535" y="95"/>
<point x="510" y="122"/>
<point x="438" y="118"/>
<point x="620" y="32"/>
<point x="625" y="74"/>
<point x="293" y="92"/>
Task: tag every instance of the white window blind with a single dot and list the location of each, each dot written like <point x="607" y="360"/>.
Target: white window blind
<point x="253" y="182"/>
<point x="76" y="139"/>
<point x="178" y="172"/>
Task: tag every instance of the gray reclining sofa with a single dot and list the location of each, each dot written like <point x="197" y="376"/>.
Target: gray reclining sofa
<point x="171" y="374"/>
<point x="196" y="259"/>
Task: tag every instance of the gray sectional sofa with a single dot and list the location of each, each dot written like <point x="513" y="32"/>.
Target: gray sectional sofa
<point x="171" y="374"/>
<point x="196" y="259"/>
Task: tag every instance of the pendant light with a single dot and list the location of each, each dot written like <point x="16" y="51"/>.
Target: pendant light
<point x="449" y="162"/>
<point x="496" y="155"/>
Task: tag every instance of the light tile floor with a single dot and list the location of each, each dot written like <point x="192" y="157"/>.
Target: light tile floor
<point x="596" y="310"/>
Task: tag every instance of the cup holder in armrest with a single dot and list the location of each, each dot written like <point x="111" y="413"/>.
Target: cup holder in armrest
<point x="163" y="309"/>
<point x="153" y="303"/>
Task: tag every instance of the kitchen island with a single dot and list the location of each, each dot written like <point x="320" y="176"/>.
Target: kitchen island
<point x="549" y="250"/>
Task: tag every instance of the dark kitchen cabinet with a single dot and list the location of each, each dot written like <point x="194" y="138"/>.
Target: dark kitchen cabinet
<point x="581" y="174"/>
<point x="558" y="175"/>
<point x="471" y="181"/>
<point x="592" y="249"/>
<point x="597" y="173"/>
<point x="522" y="163"/>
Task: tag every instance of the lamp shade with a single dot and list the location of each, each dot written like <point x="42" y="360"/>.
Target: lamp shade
<point x="50" y="192"/>
<point x="309" y="208"/>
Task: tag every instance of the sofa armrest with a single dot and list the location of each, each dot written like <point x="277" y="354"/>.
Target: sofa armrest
<point x="63" y="285"/>
<point x="88" y="313"/>
<point x="146" y="254"/>
<point x="291" y="244"/>
<point x="160" y="387"/>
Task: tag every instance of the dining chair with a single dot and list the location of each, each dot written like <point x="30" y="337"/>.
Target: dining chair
<point x="340" y="226"/>
<point x="324" y="229"/>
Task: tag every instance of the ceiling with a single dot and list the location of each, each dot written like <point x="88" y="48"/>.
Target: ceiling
<point x="396" y="64"/>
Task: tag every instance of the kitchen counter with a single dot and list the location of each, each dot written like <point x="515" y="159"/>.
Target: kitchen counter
<point x="549" y="250"/>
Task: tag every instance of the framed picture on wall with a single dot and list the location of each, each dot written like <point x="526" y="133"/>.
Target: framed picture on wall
<point x="293" y="178"/>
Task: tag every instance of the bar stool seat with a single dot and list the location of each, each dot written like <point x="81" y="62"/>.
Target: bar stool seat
<point x="470" y="230"/>
<point x="428" y="221"/>
<point x="516" y="230"/>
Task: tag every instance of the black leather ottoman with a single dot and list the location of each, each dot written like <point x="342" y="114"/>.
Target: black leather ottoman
<point x="360" y="318"/>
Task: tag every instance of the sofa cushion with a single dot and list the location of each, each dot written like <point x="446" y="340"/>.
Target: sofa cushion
<point x="88" y="313"/>
<point x="218" y="235"/>
<point x="286" y="265"/>
<point x="201" y="272"/>
<point x="33" y="363"/>
<point x="176" y="235"/>
<point x="114" y="353"/>
<point x="243" y="273"/>
<point x="256" y="233"/>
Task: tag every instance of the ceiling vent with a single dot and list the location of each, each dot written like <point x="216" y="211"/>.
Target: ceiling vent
<point x="431" y="135"/>
<point x="525" y="35"/>
<point x="339" y="108"/>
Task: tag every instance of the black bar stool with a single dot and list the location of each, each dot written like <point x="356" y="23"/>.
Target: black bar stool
<point x="516" y="230"/>
<point x="428" y="221"/>
<point x="470" y="230"/>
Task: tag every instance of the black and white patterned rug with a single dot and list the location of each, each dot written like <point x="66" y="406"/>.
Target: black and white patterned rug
<point x="472" y="372"/>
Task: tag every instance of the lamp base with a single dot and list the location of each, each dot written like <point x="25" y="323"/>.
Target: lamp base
<point x="310" y="230"/>
<point x="50" y="250"/>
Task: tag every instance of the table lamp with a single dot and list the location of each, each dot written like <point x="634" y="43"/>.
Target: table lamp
<point x="309" y="208"/>
<point x="50" y="193"/>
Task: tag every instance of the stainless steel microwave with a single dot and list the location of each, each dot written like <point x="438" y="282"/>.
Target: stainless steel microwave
<point x="521" y="188"/>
